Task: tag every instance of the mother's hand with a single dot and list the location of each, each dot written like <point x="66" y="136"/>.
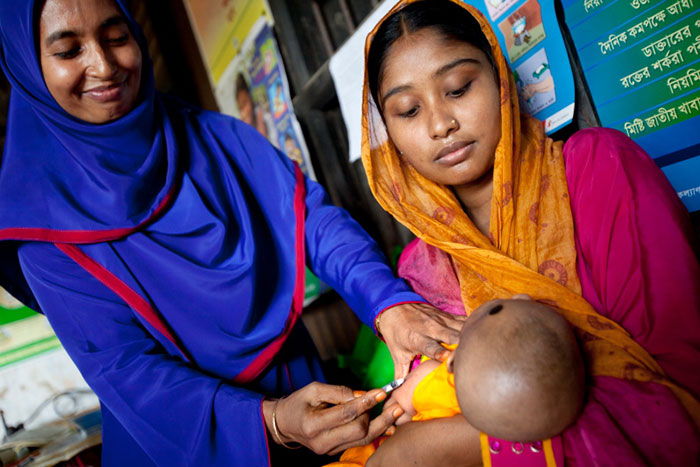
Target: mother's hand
<point x="329" y="419"/>
<point x="418" y="329"/>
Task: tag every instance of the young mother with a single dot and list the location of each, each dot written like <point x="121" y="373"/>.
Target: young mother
<point x="591" y="227"/>
<point x="167" y="244"/>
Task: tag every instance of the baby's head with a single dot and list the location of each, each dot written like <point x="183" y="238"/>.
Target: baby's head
<point x="518" y="370"/>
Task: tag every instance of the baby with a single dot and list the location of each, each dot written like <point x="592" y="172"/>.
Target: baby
<point x="518" y="373"/>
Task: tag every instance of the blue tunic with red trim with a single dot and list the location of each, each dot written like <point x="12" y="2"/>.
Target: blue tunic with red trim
<point x="167" y="249"/>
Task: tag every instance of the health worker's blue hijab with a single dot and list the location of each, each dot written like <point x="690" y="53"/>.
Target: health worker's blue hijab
<point x="66" y="180"/>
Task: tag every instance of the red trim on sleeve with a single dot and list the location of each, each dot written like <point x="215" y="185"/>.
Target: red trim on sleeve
<point x="268" y="353"/>
<point x="300" y="211"/>
<point x="126" y="293"/>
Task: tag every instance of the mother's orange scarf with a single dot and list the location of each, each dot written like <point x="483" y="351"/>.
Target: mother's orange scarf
<point x="531" y="249"/>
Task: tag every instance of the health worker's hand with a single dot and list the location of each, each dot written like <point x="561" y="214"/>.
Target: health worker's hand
<point x="418" y="329"/>
<point x="329" y="419"/>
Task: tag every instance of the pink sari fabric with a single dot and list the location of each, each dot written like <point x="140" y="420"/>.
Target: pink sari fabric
<point x="637" y="267"/>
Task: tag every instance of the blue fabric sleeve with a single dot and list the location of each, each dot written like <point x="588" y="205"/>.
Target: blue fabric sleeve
<point x="178" y="414"/>
<point x="338" y="250"/>
<point x="344" y="256"/>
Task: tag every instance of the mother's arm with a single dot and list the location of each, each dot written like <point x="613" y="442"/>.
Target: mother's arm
<point x="437" y="442"/>
<point x="637" y="266"/>
<point x="635" y="249"/>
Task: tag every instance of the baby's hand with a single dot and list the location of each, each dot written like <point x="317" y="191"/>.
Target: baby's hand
<point x="403" y="395"/>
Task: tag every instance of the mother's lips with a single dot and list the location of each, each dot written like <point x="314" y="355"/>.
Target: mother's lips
<point x="451" y="149"/>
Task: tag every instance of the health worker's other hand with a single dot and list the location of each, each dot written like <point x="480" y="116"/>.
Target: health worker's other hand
<point x="329" y="419"/>
<point x="418" y="329"/>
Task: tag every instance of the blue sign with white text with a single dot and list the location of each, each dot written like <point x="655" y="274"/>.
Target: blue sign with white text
<point x="641" y="60"/>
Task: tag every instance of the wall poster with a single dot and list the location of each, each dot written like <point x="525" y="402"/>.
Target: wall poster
<point x="246" y="70"/>
<point x="531" y="40"/>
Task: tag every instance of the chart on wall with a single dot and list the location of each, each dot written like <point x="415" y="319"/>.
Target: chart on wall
<point x="641" y="59"/>
<point x="531" y="41"/>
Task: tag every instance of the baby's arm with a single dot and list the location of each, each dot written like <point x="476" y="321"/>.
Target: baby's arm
<point x="404" y="394"/>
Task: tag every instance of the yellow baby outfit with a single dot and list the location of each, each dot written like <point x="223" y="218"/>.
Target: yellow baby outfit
<point x="434" y="397"/>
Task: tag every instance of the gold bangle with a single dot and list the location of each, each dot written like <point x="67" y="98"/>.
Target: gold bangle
<point x="276" y="431"/>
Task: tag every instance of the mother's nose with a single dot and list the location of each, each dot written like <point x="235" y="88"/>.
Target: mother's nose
<point x="442" y="124"/>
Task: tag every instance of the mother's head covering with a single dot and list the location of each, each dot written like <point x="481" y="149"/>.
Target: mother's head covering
<point x="530" y="247"/>
<point x="66" y="180"/>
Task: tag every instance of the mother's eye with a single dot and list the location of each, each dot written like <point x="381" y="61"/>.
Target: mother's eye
<point x="412" y="112"/>
<point x="460" y="91"/>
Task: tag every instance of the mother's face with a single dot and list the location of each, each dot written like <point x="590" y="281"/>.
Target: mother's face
<point x="441" y="105"/>
<point x="90" y="61"/>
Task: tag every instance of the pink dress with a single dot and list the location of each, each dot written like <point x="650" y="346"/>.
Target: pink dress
<point x="637" y="266"/>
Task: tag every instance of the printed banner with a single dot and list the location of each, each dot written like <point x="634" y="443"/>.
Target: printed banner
<point x="246" y="70"/>
<point x="641" y="59"/>
<point x="23" y="332"/>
